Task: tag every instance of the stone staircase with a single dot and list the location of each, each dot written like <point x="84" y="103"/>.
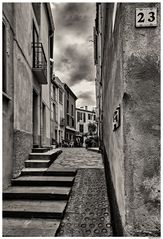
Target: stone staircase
<point x="35" y="203"/>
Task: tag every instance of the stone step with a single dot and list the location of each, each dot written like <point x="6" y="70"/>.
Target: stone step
<point x="33" y="171"/>
<point x="34" y="208"/>
<point x="35" y="193"/>
<point x="35" y="227"/>
<point x="52" y="171"/>
<point x="66" y="181"/>
<point x="37" y="163"/>
<point x="49" y="155"/>
<point x="40" y="150"/>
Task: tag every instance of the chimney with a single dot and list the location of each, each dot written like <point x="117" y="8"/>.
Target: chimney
<point x="86" y="107"/>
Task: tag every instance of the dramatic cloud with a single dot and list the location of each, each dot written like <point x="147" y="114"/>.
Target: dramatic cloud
<point x="73" y="50"/>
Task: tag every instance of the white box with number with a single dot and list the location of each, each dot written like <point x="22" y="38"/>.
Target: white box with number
<point x="146" y="17"/>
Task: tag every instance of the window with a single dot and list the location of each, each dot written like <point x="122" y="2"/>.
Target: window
<point x="72" y="122"/>
<point x="68" y="122"/>
<point x="54" y="112"/>
<point x="67" y="106"/>
<point x="4" y="82"/>
<point x="81" y="116"/>
<point x="60" y="96"/>
<point x="84" y="119"/>
<point x="81" y="128"/>
<point x="54" y="92"/>
<point x="89" y="116"/>
<point x="94" y="117"/>
<point x="72" y="110"/>
<point x="35" y="50"/>
<point x="78" y="116"/>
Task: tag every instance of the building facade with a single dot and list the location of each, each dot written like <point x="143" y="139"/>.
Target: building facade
<point x="27" y="48"/>
<point x="83" y="118"/>
<point x="127" y="58"/>
<point x="57" y="111"/>
<point x="70" y="114"/>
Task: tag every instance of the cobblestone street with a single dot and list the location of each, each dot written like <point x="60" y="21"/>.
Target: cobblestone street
<point x="88" y="212"/>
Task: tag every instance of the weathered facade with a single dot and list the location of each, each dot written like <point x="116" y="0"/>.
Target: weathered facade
<point x="70" y="113"/>
<point x="83" y="118"/>
<point x="127" y="62"/>
<point x="57" y="111"/>
<point x="28" y="30"/>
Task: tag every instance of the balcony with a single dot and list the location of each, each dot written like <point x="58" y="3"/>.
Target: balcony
<point x="62" y="122"/>
<point x="39" y="63"/>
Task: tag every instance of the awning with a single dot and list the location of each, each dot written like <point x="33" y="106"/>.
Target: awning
<point x="72" y="129"/>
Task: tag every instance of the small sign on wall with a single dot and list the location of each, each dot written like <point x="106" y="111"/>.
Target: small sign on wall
<point x="146" y="17"/>
<point x="116" y="118"/>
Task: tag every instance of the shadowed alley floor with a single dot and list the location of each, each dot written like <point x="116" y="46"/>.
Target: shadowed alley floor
<point x="88" y="211"/>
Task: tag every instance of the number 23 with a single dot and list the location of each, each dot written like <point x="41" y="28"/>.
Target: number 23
<point x="151" y="17"/>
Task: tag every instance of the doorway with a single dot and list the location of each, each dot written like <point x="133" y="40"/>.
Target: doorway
<point x="43" y="124"/>
<point x="35" y="118"/>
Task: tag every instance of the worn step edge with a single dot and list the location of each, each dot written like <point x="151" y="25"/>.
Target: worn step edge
<point x="43" y="182"/>
<point x="60" y="172"/>
<point x="35" y="193"/>
<point x="33" y="171"/>
<point x="36" y="196"/>
<point x="34" y="214"/>
<point x="17" y="227"/>
<point x="20" y="209"/>
<point x="37" y="164"/>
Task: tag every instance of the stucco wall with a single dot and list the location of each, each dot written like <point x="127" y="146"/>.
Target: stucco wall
<point x="141" y="72"/>
<point x="112" y="84"/>
<point x="7" y="112"/>
<point x="44" y="36"/>
<point x="131" y="79"/>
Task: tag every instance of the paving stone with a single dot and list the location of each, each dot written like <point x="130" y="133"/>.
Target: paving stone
<point x="19" y="227"/>
<point x="88" y="211"/>
<point x="78" y="158"/>
<point x="33" y="208"/>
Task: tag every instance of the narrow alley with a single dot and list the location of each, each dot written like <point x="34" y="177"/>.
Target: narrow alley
<point x="81" y="119"/>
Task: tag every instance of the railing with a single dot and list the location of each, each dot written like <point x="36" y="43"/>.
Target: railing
<point x="39" y="58"/>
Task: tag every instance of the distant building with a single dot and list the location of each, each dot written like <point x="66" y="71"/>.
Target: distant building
<point x="83" y="118"/>
<point x="70" y="113"/>
<point x="127" y="59"/>
<point x="57" y="111"/>
<point x="27" y="48"/>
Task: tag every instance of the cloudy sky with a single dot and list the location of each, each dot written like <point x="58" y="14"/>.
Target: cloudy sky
<point x="73" y="51"/>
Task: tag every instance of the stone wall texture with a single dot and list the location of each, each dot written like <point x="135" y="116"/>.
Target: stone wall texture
<point x="22" y="148"/>
<point x="131" y="79"/>
<point x="7" y="121"/>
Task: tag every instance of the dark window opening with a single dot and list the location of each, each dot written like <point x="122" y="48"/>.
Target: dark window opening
<point x="72" y="110"/>
<point x="81" y="128"/>
<point x="72" y="122"/>
<point x="60" y="96"/>
<point x="67" y="106"/>
<point x="84" y="119"/>
<point x="78" y="116"/>
<point x="68" y="122"/>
